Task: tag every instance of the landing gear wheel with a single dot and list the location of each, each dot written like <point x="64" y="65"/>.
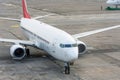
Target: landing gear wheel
<point x="67" y="68"/>
<point x="27" y="52"/>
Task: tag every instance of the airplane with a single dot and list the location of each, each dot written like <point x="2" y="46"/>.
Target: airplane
<point x="113" y="2"/>
<point x="56" y="42"/>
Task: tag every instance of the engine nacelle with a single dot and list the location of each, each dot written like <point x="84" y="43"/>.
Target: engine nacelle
<point x="17" y="52"/>
<point x="81" y="47"/>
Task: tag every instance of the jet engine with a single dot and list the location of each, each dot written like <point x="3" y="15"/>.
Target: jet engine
<point x="17" y="52"/>
<point x="81" y="47"/>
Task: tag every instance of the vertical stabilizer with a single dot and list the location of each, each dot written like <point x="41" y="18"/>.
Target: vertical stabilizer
<point x="25" y="11"/>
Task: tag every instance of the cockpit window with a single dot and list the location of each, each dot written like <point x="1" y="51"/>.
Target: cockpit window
<point x="68" y="45"/>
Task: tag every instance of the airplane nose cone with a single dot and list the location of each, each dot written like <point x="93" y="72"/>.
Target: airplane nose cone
<point x="70" y="54"/>
<point x="73" y="56"/>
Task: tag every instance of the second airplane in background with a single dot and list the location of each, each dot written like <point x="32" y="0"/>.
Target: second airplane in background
<point x="113" y="2"/>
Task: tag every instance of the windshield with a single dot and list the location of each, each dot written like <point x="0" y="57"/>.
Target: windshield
<point x="68" y="45"/>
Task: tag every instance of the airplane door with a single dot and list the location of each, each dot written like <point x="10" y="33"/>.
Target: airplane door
<point x="53" y="48"/>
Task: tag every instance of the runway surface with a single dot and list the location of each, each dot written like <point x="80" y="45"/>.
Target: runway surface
<point x="101" y="61"/>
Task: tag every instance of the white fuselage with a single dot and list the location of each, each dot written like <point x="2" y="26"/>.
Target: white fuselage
<point x="113" y="2"/>
<point x="54" y="41"/>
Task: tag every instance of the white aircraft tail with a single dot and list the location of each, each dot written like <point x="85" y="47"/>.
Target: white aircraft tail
<point x="25" y="11"/>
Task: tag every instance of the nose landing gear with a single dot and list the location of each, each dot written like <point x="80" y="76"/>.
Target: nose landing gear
<point x="67" y="68"/>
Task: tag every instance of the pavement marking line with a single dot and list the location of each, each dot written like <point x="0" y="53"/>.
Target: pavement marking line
<point x="18" y="37"/>
<point x="9" y="5"/>
<point x="90" y="48"/>
<point x="15" y="26"/>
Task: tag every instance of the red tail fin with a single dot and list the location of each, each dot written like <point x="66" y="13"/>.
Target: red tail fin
<point x="25" y="11"/>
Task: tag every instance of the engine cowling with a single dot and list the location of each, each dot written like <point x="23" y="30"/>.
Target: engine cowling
<point x="17" y="52"/>
<point x="81" y="47"/>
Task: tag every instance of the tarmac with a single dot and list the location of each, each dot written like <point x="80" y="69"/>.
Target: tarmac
<point x="100" y="62"/>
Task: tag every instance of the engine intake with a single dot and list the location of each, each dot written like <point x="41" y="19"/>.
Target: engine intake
<point x="81" y="47"/>
<point x="17" y="52"/>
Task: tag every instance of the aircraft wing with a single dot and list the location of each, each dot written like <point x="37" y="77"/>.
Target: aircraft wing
<point x="39" y="17"/>
<point x="84" y="34"/>
<point x="23" y="42"/>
